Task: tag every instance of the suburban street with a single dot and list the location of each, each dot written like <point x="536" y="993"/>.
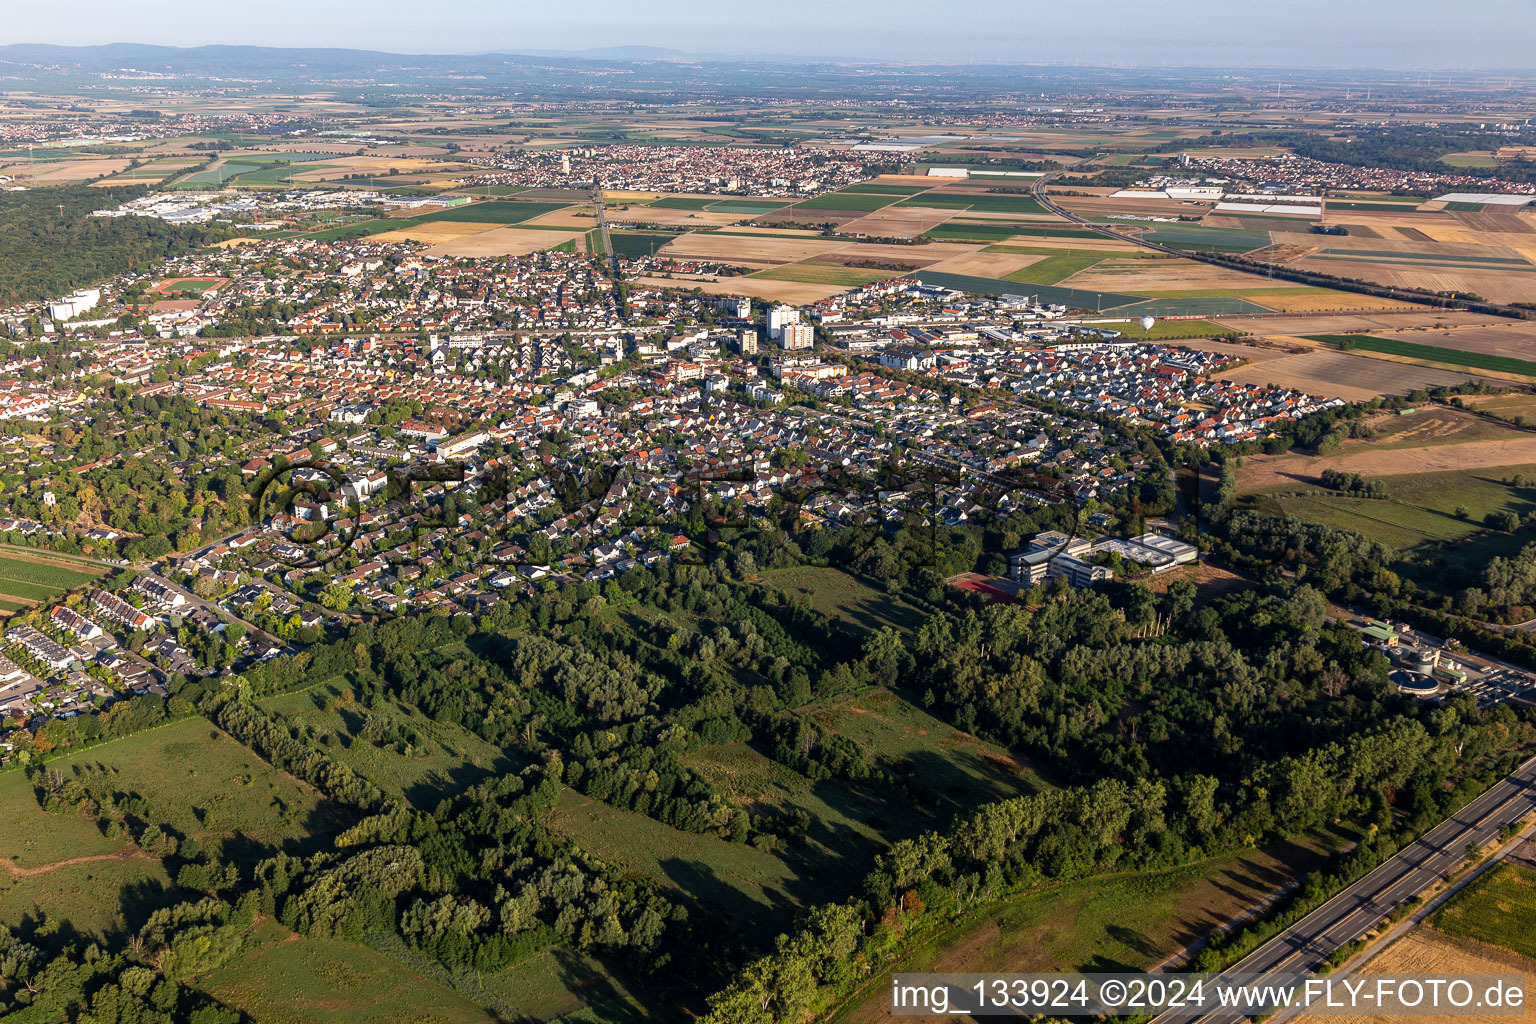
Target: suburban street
<point x="1349" y="915"/>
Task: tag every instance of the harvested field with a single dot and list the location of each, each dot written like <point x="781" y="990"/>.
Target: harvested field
<point x="64" y="171"/>
<point x="1424" y="952"/>
<point x="1494" y="285"/>
<point x="1261" y="473"/>
<point x="792" y="292"/>
<point x="1343" y="323"/>
<point x="987" y="264"/>
<point x="1513" y="339"/>
<point x="750" y="250"/>
<point x="1340" y="375"/>
<point x="434" y="232"/>
<point x="898" y="222"/>
<point x="675" y="218"/>
<point x="1160" y="275"/>
<point x="932" y="253"/>
<point x="1326" y="300"/>
<point x="503" y="241"/>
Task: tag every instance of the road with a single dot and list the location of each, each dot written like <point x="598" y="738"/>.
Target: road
<point x="1349" y="915"/>
<point x="602" y="224"/>
<point x="1241" y="266"/>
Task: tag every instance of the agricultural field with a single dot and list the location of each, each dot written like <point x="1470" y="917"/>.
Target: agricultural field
<point x="1425" y="952"/>
<point x="1448" y="357"/>
<point x="27" y="579"/>
<point x="495" y="211"/>
<point x="1353" y="378"/>
<point x="218" y="174"/>
<point x="1498" y="909"/>
<point x="507" y="240"/>
<point x="847" y="201"/>
<point x="820" y="273"/>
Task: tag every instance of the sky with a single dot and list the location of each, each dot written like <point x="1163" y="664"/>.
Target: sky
<point x="1418" y="34"/>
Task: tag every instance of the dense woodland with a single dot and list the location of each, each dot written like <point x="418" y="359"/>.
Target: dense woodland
<point x="51" y="244"/>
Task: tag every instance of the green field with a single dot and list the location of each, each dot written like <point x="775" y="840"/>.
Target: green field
<point x="1499" y="908"/>
<point x="563" y="986"/>
<point x="98" y="897"/>
<point x="850" y="201"/>
<point x="1056" y="267"/>
<point x="1081" y="298"/>
<point x="1431" y="353"/>
<point x="1202" y="239"/>
<point x="278" y="175"/>
<point x="743" y="881"/>
<point x="821" y="273"/>
<point x="494" y="212"/>
<point x="1418" y="518"/>
<point x="632" y="244"/>
<point x="993" y="231"/>
<point x="1168" y="329"/>
<point x="877" y="189"/>
<point x="682" y="203"/>
<point x="446" y="759"/>
<point x="748" y="205"/>
<point x="1480" y="160"/>
<point x="39" y="581"/>
<point x="840" y="596"/>
<point x="979" y="202"/>
<point x="207" y="784"/>
<point x="219" y="174"/>
<point x="1382" y="206"/>
<point x="1214" y="306"/>
<point x="290" y="978"/>
<point x="362" y="228"/>
<point x="199" y="781"/>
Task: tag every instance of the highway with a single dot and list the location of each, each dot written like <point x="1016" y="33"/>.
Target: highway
<point x="1349" y="915"/>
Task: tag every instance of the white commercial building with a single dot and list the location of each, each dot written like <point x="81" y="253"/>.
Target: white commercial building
<point x="75" y="303"/>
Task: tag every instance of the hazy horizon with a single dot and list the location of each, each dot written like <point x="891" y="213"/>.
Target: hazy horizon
<point x="1494" y="35"/>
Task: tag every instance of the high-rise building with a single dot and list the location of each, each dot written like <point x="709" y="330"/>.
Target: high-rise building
<point x="748" y="340"/>
<point x="779" y="317"/>
<point x="797" y="336"/>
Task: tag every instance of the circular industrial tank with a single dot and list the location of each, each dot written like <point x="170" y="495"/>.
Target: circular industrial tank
<point x="1416" y="683"/>
<point x="1420" y="661"/>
